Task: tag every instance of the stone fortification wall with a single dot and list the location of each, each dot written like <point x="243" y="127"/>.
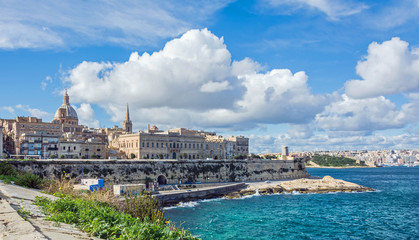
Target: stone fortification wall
<point x="171" y="171"/>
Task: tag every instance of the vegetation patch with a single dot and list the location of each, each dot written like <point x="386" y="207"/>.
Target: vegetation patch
<point x="9" y="174"/>
<point x="330" y="161"/>
<point x="104" y="220"/>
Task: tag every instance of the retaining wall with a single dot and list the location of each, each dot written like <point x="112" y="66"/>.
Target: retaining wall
<point x="169" y="171"/>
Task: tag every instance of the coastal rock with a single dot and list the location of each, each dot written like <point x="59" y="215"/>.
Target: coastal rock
<point x="305" y="185"/>
<point x="246" y="192"/>
<point x="233" y="195"/>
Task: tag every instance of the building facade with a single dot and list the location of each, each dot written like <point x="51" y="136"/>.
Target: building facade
<point x="38" y="145"/>
<point x="180" y="143"/>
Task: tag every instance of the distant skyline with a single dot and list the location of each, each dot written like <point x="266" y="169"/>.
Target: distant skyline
<point x="309" y="74"/>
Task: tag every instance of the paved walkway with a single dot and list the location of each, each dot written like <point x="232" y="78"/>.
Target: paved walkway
<point x="13" y="226"/>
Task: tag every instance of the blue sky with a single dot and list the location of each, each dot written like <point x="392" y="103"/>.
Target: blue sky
<point x="311" y="74"/>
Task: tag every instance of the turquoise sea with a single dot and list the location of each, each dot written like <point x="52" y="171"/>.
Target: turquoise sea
<point x="390" y="213"/>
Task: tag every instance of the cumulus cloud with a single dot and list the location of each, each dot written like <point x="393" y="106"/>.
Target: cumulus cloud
<point x="86" y="115"/>
<point x="389" y="68"/>
<point x="49" y="24"/>
<point x="334" y="9"/>
<point x="35" y="112"/>
<point x="192" y="81"/>
<point x="368" y="114"/>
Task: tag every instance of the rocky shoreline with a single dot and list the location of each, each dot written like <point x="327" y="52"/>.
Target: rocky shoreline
<point x="303" y="185"/>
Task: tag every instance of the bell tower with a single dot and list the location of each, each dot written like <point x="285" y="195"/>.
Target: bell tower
<point x="127" y="124"/>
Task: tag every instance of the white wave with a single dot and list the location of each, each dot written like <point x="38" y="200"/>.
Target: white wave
<point x="183" y="204"/>
<point x="211" y="200"/>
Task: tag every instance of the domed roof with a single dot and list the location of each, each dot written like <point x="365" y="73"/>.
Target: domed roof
<point x="69" y="112"/>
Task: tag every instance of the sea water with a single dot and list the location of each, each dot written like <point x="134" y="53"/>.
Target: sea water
<point x="392" y="212"/>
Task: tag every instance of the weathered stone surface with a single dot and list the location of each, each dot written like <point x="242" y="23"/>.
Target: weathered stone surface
<point x="173" y="171"/>
<point x="304" y="185"/>
<point x="246" y="192"/>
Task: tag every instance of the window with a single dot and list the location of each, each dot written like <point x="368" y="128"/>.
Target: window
<point x="189" y="145"/>
<point x="181" y="145"/>
<point x="194" y="145"/>
<point x="98" y="149"/>
<point x="157" y="145"/>
<point x="142" y="144"/>
<point x="148" y="145"/>
<point x="64" y="148"/>
<point x="74" y="147"/>
<point x="177" y="145"/>
<point x="170" y="145"/>
<point x="152" y="145"/>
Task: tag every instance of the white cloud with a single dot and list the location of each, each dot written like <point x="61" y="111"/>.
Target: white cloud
<point x="45" y="82"/>
<point x="49" y="24"/>
<point x="389" y="68"/>
<point x="215" y="86"/>
<point x="325" y="141"/>
<point x="9" y="109"/>
<point x="367" y="115"/>
<point x="193" y="82"/>
<point x="334" y="9"/>
<point x="34" y="112"/>
<point x="86" y="115"/>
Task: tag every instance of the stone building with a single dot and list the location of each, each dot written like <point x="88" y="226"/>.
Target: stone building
<point x="76" y="149"/>
<point x="179" y="143"/>
<point x="20" y="133"/>
<point x="38" y="145"/>
<point x="127" y="124"/>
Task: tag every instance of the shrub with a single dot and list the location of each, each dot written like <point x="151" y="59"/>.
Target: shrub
<point x="29" y="180"/>
<point x="61" y="185"/>
<point x="7" y="169"/>
<point x="144" y="207"/>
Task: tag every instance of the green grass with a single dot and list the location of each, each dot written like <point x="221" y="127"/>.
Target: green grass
<point x="105" y="221"/>
<point x="8" y="179"/>
<point x="330" y="161"/>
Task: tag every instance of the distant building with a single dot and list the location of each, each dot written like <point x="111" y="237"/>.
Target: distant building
<point x="38" y="145"/>
<point x="285" y="151"/>
<point x="31" y="137"/>
<point x="180" y="143"/>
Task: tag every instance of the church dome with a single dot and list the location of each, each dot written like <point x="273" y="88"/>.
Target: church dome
<point x="68" y="110"/>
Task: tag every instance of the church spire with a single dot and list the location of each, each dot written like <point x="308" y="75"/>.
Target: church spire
<point x="127" y="115"/>
<point x="127" y="124"/>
